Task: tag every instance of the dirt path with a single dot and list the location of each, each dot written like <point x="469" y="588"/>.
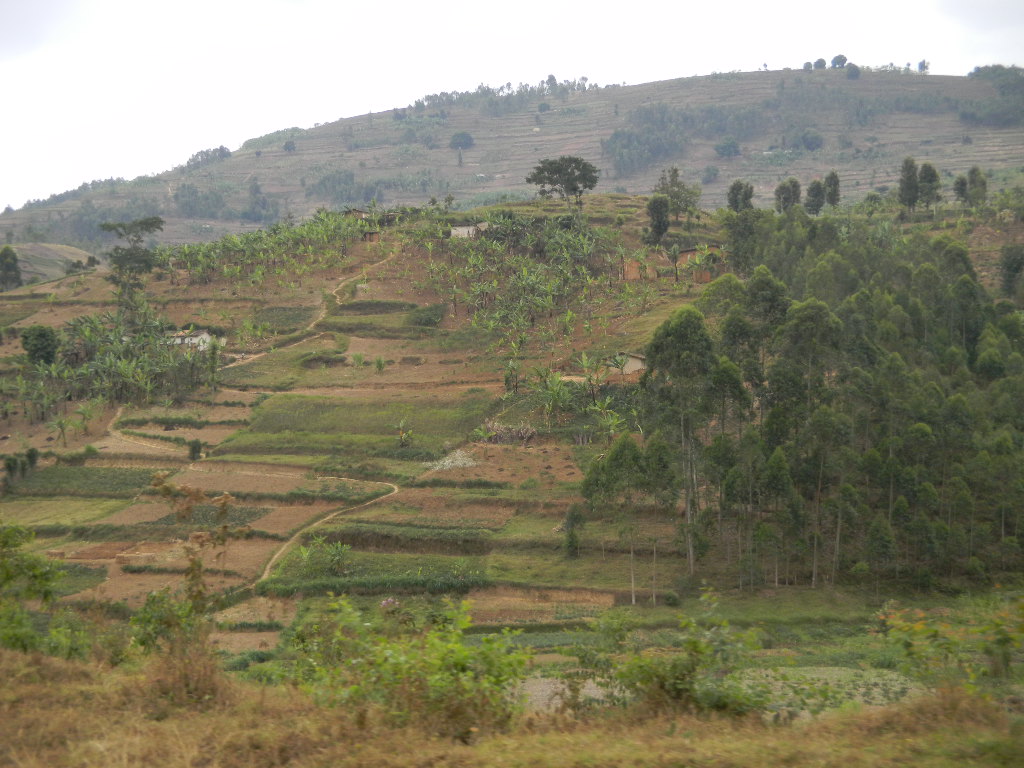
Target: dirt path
<point x="303" y="531"/>
<point x="320" y="315"/>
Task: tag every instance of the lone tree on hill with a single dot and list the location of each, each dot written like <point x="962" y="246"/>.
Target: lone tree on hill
<point x="129" y="263"/>
<point x="568" y="177"/>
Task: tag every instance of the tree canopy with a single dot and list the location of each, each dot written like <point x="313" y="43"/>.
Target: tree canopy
<point x="568" y="176"/>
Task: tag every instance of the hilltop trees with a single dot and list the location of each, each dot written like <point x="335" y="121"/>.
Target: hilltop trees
<point x="568" y="176"/>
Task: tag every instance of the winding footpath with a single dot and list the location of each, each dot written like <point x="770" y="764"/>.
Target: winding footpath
<point x="324" y="310"/>
<point x="114" y="431"/>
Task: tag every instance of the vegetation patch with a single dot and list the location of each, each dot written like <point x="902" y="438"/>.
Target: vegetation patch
<point x="69" y="510"/>
<point x="95" y="482"/>
<point x="284" y="319"/>
<point x="377" y="573"/>
<point x="410" y="539"/>
<point x="372" y="307"/>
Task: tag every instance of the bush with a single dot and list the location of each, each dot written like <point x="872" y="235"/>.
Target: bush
<point x="693" y="677"/>
<point x="432" y="679"/>
<point x="427" y="317"/>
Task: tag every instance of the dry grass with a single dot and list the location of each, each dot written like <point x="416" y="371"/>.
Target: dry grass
<point x="55" y="713"/>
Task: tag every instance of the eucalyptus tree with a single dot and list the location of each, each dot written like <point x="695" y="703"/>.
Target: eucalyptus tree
<point x="680" y="361"/>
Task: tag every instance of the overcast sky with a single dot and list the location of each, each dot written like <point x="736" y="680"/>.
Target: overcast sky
<point x="94" y="89"/>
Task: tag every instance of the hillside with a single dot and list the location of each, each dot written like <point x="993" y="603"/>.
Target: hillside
<point x="265" y="544"/>
<point x="789" y="122"/>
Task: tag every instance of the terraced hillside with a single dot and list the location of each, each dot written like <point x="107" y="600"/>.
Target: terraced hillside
<point x="788" y="123"/>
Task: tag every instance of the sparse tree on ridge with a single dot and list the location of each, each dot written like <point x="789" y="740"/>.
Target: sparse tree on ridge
<point x="569" y="177"/>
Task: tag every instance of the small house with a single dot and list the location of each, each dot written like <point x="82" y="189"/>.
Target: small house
<point x="201" y="340"/>
<point x="635" y="362"/>
<point x="470" y="231"/>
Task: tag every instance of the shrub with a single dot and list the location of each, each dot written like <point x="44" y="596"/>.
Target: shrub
<point x="693" y="677"/>
<point x="429" y="316"/>
<point x="430" y="679"/>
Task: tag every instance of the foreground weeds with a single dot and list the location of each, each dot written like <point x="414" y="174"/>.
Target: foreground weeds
<point x="55" y="713"/>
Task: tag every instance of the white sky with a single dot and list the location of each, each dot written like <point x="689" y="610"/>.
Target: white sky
<point x="93" y="89"/>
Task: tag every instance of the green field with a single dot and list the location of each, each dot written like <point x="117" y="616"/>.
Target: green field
<point x="299" y="424"/>
<point x="65" y="510"/>
<point x="100" y="482"/>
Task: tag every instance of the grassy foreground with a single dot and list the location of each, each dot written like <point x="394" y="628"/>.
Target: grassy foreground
<point x="57" y="713"/>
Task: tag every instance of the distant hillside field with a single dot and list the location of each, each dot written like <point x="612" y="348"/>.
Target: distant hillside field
<point x="479" y="147"/>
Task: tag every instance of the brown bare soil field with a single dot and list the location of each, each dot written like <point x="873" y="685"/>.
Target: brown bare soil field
<point x="238" y="642"/>
<point x="286" y="518"/>
<point x="130" y="444"/>
<point x="547" y="462"/>
<point x="142" y="511"/>
<point x="427" y="507"/>
<point x="256" y="478"/>
<point x="38" y="435"/>
<point x="211" y="435"/>
<point x="108" y="550"/>
<point x="247" y="556"/>
<point x="511" y="605"/>
<point x="133" y="588"/>
<point x="280" y="609"/>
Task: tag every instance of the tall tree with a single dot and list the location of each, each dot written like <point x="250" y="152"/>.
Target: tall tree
<point x="680" y="361"/>
<point x="130" y="262"/>
<point x="928" y="185"/>
<point x="908" y="189"/>
<point x="815" y="197"/>
<point x="740" y="195"/>
<point x="832" y="188"/>
<point x="40" y="343"/>
<point x="568" y="176"/>
<point x="787" y="195"/>
<point x="977" y="186"/>
<point x="683" y="198"/>
<point x="10" y="271"/>
<point x="658" y="210"/>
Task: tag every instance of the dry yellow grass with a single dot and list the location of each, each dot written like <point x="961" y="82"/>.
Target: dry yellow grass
<point x="55" y="713"/>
